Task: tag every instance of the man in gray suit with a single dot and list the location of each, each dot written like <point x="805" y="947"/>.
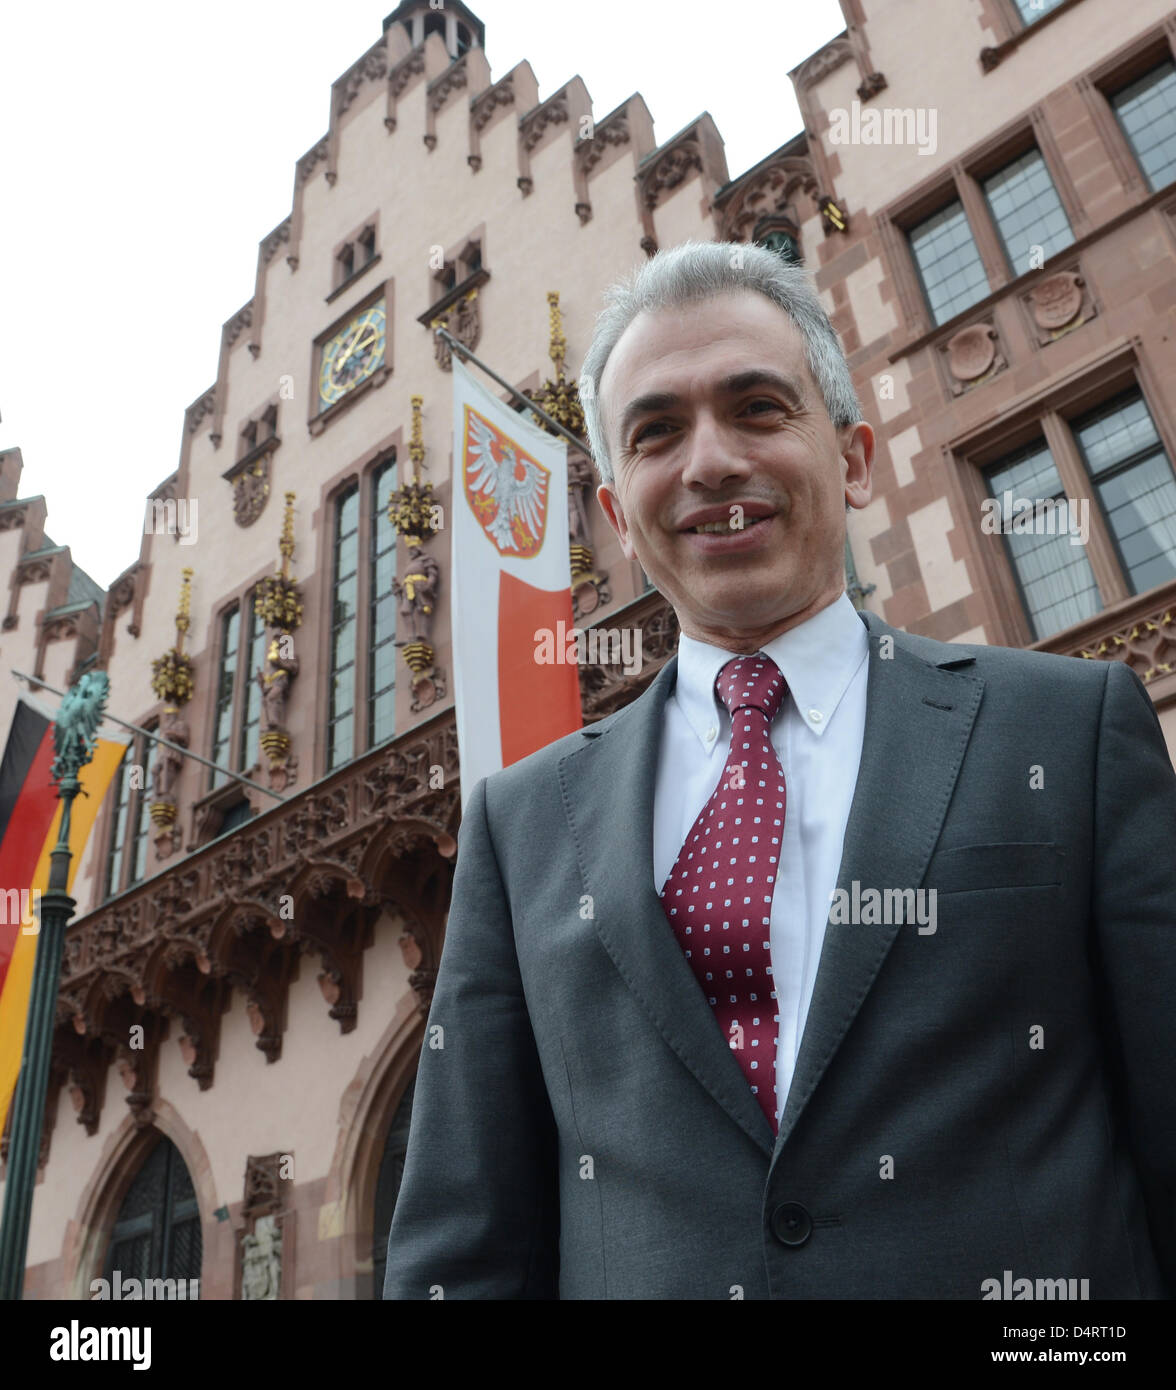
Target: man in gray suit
<point x="961" y="988"/>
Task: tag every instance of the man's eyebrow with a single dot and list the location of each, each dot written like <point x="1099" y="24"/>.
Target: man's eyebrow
<point x="732" y="385"/>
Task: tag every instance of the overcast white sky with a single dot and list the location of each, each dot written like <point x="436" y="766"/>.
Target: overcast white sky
<point x="125" y="242"/>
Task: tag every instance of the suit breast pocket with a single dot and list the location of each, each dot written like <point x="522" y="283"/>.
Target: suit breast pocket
<point x="977" y="868"/>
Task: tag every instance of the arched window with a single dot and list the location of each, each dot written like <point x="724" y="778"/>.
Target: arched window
<point x="388" y="1186"/>
<point x="157" y="1234"/>
<point x="784" y="243"/>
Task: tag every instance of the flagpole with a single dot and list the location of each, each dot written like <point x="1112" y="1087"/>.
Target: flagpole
<point x="158" y="738"/>
<point x="518" y="395"/>
<point x="75" y="738"/>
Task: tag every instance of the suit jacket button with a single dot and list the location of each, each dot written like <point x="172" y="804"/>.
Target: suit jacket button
<point x="791" y="1224"/>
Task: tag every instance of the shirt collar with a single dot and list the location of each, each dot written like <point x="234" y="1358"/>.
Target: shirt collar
<point x="818" y="659"/>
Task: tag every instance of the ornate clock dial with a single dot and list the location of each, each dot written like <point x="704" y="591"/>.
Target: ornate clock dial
<point x="352" y="355"/>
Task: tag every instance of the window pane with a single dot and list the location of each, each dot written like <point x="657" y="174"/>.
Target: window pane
<point x="1113" y="433"/>
<point x="348" y="550"/>
<point x="349" y="512"/>
<point x="119" y="830"/>
<point x="341" y="704"/>
<point x="1032" y="10"/>
<point x="1027" y="211"/>
<point x="1055" y="576"/>
<point x="1123" y="453"/>
<point x="949" y="264"/>
<point x="226" y="677"/>
<point x="339" y="742"/>
<point x="249" y="748"/>
<point x="143" y="819"/>
<point x="383" y="717"/>
<point x="1147" y="112"/>
<point x="343" y="646"/>
<point x="381" y="611"/>
<point x="1141" y="507"/>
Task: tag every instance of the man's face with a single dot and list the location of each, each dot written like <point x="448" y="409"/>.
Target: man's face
<point x="708" y="409"/>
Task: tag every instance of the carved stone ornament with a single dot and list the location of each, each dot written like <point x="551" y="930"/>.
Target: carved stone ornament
<point x="464" y="321"/>
<point x="668" y="169"/>
<point x="769" y="195"/>
<point x="1059" y="304"/>
<point x="612" y="133"/>
<point x="589" y="589"/>
<point x="418" y="608"/>
<point x="316" y="155"/>
<point x="372" y="67"/>
<point x="972" y="351"/>
<point x="1056" y="301"/>
<point x="197" y="412"/>
<point x="251" y="489"/>
<point x="122" y="591"/>
<point x="454" y="79"/>
<point x="261" y="1261"/>
<point x="235" y="326"/>
<point x="871" y="85"/>
<point x="418" y="594"/>
<point x="484" y="105"/>
<point x="401" y="75"/>
<point x="271" y="244"/>
<point x="973" y="355"/>
<point x="553" y="112"/>
<point x="823" y="62"/>
<point x="1147" y="645"/>
<point x="32" y="572"/>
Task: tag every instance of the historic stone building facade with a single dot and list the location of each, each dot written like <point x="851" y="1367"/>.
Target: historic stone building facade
<point x="1005" y="291"/>
<point x="247" y="976"/>
<point x="53" y="611"/>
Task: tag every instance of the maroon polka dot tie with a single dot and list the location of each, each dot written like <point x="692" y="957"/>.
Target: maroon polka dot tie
<point x="718" y="897"/>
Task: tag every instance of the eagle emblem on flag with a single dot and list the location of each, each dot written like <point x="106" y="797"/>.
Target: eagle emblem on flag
<point x="506" y="488"/>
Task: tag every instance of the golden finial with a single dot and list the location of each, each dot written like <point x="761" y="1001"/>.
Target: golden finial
<point x="416" y="447"/>
<point x="286" y="544"/>
<point x="183" y="615"/>
<point x="559" y="344"/>
<point x="171" y="674"/>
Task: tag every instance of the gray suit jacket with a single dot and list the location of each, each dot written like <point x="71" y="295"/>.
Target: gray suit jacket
<point x="996" y="1095"/>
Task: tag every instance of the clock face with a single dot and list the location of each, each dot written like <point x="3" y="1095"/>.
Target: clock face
<point x="352" y="355"/>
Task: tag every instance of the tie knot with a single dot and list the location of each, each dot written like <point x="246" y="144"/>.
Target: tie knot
<point x="752" y="680"/>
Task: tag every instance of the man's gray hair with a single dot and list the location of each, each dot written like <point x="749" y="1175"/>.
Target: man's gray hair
<point x="697" y="270"/>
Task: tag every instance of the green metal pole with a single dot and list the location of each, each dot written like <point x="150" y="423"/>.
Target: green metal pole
<point x="75" y="736"/>
<point x="28" y="1110"/>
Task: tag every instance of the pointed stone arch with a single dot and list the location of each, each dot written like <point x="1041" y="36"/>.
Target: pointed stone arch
<point x="366" y="1111"/>
<point x="88" y="1231"/>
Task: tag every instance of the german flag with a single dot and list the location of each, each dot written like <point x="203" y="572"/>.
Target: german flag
<point x="30" y="820"/>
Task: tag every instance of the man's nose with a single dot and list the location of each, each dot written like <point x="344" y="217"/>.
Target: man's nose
<point x="711" y="453"/>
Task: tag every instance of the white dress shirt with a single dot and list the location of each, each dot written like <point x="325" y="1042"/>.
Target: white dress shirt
<point x="817" y="735"/>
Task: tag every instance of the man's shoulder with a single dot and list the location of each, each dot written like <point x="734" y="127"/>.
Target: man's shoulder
<point x="993" y="662"/>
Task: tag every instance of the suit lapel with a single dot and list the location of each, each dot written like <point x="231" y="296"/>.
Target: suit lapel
<point x="919" y="717"/>
<point x="607" y="786"/>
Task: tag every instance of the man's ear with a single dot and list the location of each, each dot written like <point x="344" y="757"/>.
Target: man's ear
<point x="857" y="449"/>
<point x="610" y="504"/>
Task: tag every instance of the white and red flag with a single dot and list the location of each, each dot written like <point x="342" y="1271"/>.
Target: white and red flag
<point x="512" y="583"/>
